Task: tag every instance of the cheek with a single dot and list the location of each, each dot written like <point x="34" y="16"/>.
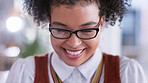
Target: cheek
<point x="93" y="45"/>
<point x="56" y="43"/>
<point x="94" y="42"/>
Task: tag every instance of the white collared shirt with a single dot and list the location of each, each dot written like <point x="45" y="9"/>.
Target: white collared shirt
<point x="23" y="70"/>
<point x="82" y="73"/>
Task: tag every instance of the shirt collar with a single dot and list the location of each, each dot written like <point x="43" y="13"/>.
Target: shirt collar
<point x="64" y="71"/>
<point x="92" y="63"/>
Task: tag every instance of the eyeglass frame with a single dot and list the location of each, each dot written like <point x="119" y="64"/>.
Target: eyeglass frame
<point x="76" y="31"/>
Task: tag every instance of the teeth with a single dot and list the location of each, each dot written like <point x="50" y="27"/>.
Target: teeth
<point x="73" y="53"/>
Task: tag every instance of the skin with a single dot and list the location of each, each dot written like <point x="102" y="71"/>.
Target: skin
<point x="74" y="18"/>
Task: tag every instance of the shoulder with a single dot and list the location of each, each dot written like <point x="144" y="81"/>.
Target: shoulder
<point x="21" y="70"/>
<point x="27" y="62"/>
<point x="131" y="70"/>
<point x="23" y="62"/>
<point x="126" y="63"/>
<point x="24" y="65"/>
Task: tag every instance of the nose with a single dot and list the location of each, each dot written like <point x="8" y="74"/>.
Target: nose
<point x="73" y="41"/>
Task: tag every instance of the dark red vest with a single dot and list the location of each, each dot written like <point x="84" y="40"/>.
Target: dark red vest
<point x="112" y="69"/>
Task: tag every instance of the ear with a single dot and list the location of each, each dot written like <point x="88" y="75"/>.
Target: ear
<point x="102" y="22"/>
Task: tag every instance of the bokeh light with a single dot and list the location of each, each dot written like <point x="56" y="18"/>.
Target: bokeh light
<point x="14" y="24"/>
<point x="13" y="51"/>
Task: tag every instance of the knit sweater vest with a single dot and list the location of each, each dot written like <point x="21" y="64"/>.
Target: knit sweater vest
<point x="111" y="75"/>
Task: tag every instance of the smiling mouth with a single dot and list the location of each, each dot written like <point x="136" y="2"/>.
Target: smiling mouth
<point x="74" y="54"/>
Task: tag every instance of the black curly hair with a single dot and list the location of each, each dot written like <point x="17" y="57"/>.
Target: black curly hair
<point x="40" y="10"/>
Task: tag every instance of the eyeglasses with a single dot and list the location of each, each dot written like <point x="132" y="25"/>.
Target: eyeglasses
<point x="84" y="34"/>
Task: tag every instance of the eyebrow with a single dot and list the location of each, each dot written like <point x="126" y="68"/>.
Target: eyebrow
<point x="85" y="24"/>
<point x="59" y="23"/>
<point x="89" y="23"/>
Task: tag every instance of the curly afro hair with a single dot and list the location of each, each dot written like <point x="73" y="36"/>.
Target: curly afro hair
<point x="40" y="10"/>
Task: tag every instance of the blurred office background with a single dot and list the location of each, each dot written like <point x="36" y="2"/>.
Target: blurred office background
<point x="19" y="36"/>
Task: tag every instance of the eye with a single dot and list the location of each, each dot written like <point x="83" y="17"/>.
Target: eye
<point x="60" y="31"/>
<point x="86" y="31"/>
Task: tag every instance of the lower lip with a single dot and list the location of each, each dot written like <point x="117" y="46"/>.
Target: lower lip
<point x="71" y="56"/>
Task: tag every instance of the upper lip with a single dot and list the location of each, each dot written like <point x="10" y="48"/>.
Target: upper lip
<point x="74" y="50"/>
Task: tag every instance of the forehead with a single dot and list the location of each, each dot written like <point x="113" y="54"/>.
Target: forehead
<point x="78" y="5"/>
<point x="74" y="12"/>
<point x="73" y="2"/>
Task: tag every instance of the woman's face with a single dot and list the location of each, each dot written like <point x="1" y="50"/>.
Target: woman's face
<point x="75" y="51"/>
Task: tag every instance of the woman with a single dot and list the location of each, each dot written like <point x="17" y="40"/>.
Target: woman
<point x="76" y="27"/>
